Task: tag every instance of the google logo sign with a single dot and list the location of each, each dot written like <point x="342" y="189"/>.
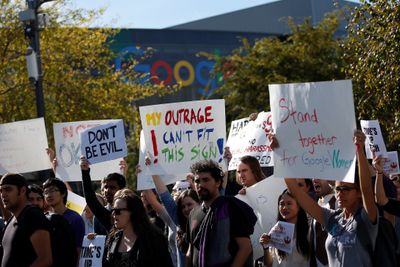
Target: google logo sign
<point x="184" y="72"/>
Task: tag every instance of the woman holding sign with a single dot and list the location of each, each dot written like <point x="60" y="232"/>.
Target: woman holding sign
<point x="134" y="241"/>
<point x="353" y="227"/>
<point x="289" y="211"/>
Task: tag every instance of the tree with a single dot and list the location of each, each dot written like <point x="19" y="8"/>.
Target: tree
<point x="79" y="79"/>
<point x="372" y="51"/>
<point x="309" y="53"/>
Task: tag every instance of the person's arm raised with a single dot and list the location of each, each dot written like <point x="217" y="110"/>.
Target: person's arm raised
<point x="305" y="201"/>
<point x="365" y="177"/>
<point x="380" y="195"/>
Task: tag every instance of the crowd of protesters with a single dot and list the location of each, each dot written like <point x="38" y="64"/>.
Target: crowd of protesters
<point x="198" y="224"/>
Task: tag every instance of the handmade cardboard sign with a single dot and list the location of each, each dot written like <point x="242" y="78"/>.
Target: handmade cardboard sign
<point x="104" y="142"/>
<point x="23" y="146"/>
<point x="374" y="141"/>
<point x="248" y="137"/>
<point x="66" y="139"/>
<point x="180" y="134"/>
<point x="314" y="124"/>
<point x="92" y="251"/>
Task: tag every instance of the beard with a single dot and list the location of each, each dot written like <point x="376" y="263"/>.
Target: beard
<point x="204" y="194"/>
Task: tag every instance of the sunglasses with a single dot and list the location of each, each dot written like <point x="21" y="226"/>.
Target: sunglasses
<point x="343" y="188"/>
<point x="117" y="211"/>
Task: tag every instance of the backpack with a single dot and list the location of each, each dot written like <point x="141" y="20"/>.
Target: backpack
<point x="62" y="238"/>
<point x="384" y="253"/>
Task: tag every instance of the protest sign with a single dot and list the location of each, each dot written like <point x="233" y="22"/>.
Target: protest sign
<point x="282" y="236"/>
<point x="250" y="138"/>
<point x="92" y="251"/>
<point x="374" y="141"/>
<point x="23" y="146"/>
<point x="145" y="181"/>
<point x="75" y="202"/>
<point x="391" y="163"/>
<point x="314" y="124"/>
<point x="180" y="134"/>
<point x="66" y="139"/>
<point x="263" y="198"/>
<point x="104" y="142"/>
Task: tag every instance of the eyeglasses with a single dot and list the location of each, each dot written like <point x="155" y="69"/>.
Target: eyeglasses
<point x="343" y="188"/>
<point x="117" y="211"/>
<point x="50" y="190"/>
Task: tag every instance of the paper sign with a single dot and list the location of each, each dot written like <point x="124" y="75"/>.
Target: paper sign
<point x="314" y="124"/>
<point x="104" y="142"/>
<point x="23" y="146"/>
<point x="179" y="134"/>
<point x="75" y="202"/>
<point x="66" y="138"/>
<point x="282" y="236"/>
<point x="250" y="138"/>
<point x="374" y="140"/>
<point x="92" y="251"/>
<point x="391" y="164"/>
<point x="263" y="198"/>
<point x="145" y="181"/>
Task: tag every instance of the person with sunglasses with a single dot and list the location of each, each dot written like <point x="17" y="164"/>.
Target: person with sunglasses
<point x="356" y="205"/>
<point x="134" y="240"/>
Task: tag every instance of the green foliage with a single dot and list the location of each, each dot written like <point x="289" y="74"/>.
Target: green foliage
<point x="372" y="51"/>
<point x="310" y="53"/>
<point x="79" y="81"/>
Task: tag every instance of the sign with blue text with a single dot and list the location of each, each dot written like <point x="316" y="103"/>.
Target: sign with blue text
<point x="314" y="124"/>
<point x="179" y="134"/>
<point x="104" y="142"/>
<point x="66" y="139"/>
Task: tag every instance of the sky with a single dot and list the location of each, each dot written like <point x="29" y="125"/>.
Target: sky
<point x="159" y="14"/>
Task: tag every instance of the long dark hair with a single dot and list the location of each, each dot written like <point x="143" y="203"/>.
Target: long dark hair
<point x="302" y="227"/>
<point x="140" y="221"/>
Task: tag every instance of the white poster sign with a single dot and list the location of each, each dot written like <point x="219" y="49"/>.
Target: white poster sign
<point x="374" y="140"/>
<point x="314" y="124"/>
<point x="263" y="198"/>
<point x="391" y="163"/>
<point x="23" y="146"/>
<point x="104" y="142"/>
<point x="180" y="134"/>
<point x="145" y="181"/>
<point x="250" y="138"/>
<point x="282" y="236"/>
<point x="66" y="138"/>
<point x="92" y="251"/>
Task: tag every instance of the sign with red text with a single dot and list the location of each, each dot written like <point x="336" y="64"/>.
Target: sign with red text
<point x="247" y="137"/>
<point x="104" y="142"/>
<point x="282" y="236"/>
<point x="263" y="198"/>
<point x="66" y="139"/>
<point x="179" y="134"/>
<point x="146" y="181"/>
<point x="374" y="141"/>
<point x="23" y="146"/>
<point x="314" y="124"/>
<point x="391" y="162"/>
